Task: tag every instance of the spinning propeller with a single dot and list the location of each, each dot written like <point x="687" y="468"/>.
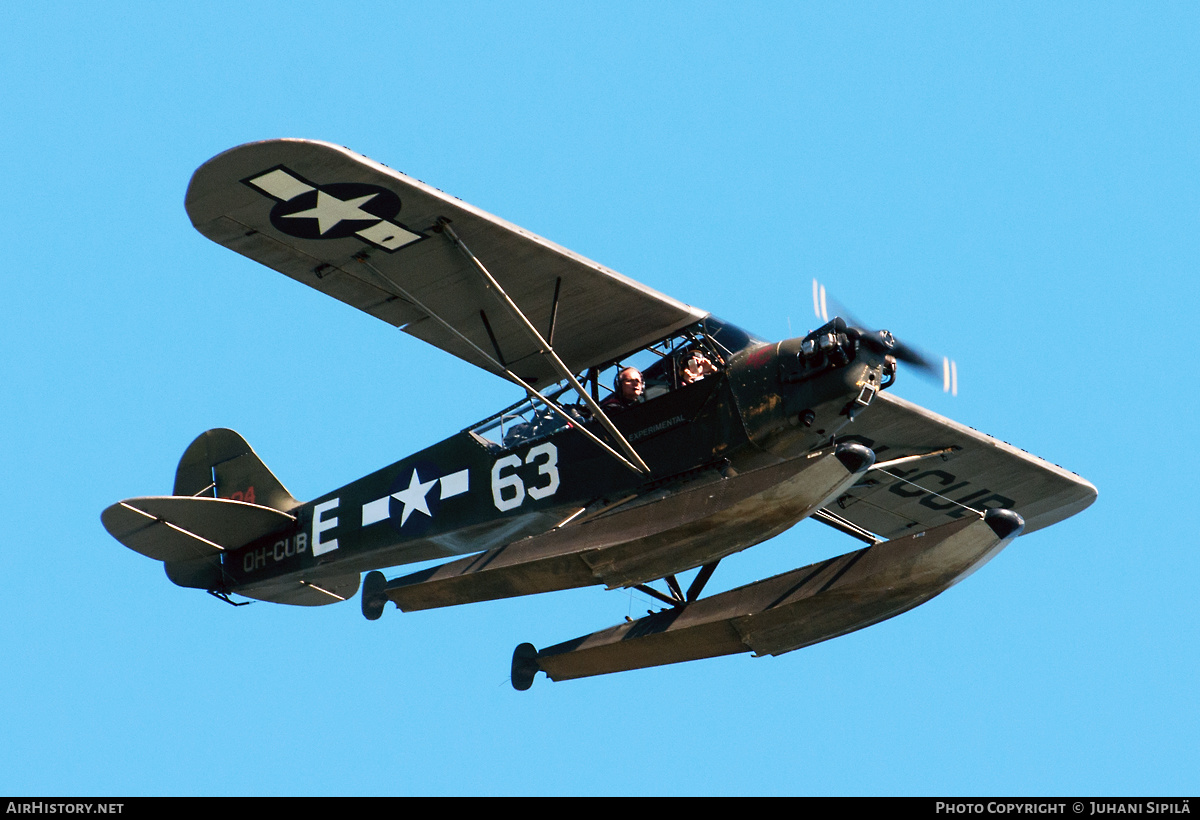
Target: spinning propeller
<point x="883" y="342"/>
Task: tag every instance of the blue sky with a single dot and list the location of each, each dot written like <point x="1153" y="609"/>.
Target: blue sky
<point x="1014" y="185"/>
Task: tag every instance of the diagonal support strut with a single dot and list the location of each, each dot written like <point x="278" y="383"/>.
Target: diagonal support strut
<point x="394" y="288"/>
<point x="547" y="350"/>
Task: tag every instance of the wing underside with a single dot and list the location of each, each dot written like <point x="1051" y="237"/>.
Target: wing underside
<point x="962" y="469"/>
<point x="373" y="238"/>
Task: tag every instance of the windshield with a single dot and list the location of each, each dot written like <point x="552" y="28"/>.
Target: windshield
<point x="728" y="335"/>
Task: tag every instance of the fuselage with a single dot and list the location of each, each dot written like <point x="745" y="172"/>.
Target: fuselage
<point x="768" y="403"/>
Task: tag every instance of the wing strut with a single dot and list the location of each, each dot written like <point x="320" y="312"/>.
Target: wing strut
<point x="502" y="370"/>
<point x="677" y="598"/>
<point x="547" y="350"/>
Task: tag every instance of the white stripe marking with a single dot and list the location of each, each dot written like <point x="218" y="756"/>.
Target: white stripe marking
<point x="455" y="483"/>
<point x="376" y="511"/>
<point x="388" y="236"/>
<point x="281" y="185"/>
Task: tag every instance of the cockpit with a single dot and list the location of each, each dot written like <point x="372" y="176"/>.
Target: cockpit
<point x="691" y="355"/>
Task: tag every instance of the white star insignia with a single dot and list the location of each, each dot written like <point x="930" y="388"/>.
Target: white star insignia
<point x="414" y="497"/>
<point x="330" y="211"/>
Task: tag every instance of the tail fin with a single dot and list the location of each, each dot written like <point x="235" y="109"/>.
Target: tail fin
<point x="220" y="464"/>
<point x="224" y="499"/>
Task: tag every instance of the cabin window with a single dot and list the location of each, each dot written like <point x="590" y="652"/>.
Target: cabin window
<point x="691" y="355"/>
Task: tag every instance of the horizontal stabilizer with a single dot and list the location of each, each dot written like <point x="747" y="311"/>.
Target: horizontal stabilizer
<point x="173" y="528"/>
<point x="682" y="531"/>
<point x="789" y="611"/>
<point x="304" y="593"/>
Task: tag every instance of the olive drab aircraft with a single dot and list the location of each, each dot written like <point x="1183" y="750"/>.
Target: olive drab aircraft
<point x="651" y="439"/>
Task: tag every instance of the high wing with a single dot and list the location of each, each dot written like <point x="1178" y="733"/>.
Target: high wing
<point x="384" y="243"/>
<point x="961" y="468"/>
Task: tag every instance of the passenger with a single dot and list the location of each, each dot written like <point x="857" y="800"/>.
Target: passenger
<point x="628" y="390"/>
<point x="696" y="366"/>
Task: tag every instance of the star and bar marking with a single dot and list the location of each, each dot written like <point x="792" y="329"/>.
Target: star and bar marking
<point x="340" y="208"/>
<point x="415" y="498"/>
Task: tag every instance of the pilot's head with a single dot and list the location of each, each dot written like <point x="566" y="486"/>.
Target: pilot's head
<point x="629" y="385"/>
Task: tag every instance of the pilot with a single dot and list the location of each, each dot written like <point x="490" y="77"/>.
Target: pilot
<point x="696" y="366"/>
<point x="628" y="390"/>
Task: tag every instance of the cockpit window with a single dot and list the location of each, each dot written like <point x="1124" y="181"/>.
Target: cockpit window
<point x="665" y="366"/>
<point x="689" y="356"/>
<point x="531" y="419"/>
